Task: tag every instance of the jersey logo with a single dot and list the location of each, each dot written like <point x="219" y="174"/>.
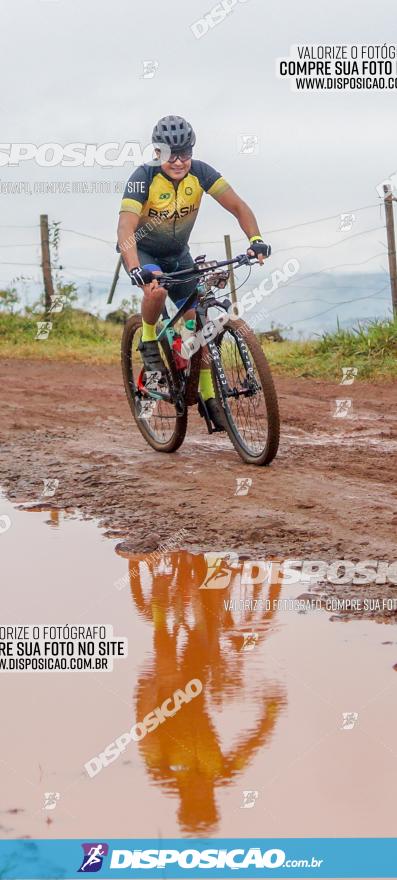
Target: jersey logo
<point x="165" y="215"/>
<point x="188" y="190"/>
<point x="162" y="214"/>
<point x="165" y="195"/>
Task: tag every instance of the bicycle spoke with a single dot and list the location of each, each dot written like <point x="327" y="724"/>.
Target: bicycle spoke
<point x="159" y="416"/>
<point x="247" y="410"/>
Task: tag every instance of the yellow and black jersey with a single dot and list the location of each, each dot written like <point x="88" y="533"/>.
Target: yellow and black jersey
<point x="168" y="209"/>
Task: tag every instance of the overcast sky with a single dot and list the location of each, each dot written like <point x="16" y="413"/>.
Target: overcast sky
<point x="72" y="71"/>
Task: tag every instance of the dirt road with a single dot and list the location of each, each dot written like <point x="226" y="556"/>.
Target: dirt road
<point x="330" y="493"/>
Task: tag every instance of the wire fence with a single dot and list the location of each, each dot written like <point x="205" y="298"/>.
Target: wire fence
<point x="327" y="275"/>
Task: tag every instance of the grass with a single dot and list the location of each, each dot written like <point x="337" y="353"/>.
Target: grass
<point x="371" y="348"/>
<point x="75" y="336"/>
<point x="78" y="336"/>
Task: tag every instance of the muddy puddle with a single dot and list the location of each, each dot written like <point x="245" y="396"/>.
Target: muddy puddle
<point x="250" y="717"/>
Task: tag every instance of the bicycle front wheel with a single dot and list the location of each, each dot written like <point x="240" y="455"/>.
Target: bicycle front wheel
<point x="245" y="389"/>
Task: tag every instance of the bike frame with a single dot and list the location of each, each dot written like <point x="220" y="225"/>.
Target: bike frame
<point x="204" y="302"/>
<point x="200" y="271"/>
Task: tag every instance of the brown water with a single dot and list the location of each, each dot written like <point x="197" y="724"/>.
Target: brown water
<point x="268" y="720"/>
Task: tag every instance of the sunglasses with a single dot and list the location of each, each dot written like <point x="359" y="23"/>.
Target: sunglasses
<point x="184" y="155"/>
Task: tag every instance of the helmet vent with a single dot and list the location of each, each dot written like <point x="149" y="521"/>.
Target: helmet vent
<point x="174" y="131"/>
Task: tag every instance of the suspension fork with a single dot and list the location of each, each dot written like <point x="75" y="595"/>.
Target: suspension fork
<point x="223" y="385"/>
<point x="212" y="347"/>
<point x="221" y="379"/>
<point x="244" y="352"/>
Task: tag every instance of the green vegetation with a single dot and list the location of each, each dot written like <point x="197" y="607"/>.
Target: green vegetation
<point x="66" y="332"/>
<point x="8" y="299"/>
<point x="371" y="348"/>
<point x="78" y="335"/>
<point x="75" y="335"/>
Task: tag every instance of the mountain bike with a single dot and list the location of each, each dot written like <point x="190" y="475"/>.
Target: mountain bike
<point x="241" y="376"/>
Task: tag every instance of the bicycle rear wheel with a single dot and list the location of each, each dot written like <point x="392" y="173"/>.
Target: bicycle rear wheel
<point x="159" y="421"/>
<point x="245" y="389"/>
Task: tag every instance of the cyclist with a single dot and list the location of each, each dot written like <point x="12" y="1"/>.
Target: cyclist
<point x="157" y="214"/>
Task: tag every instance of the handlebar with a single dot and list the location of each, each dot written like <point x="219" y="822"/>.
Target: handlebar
<point x="203" y="268"/>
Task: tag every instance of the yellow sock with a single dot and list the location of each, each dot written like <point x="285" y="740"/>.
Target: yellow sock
<point x="206" y="386"/>
<point x="148" y="332"/>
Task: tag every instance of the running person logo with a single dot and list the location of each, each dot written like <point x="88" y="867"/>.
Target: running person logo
<point x="94" y="854"/>
<point x="220" y="569"/>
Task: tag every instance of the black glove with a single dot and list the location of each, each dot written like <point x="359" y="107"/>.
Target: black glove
<point x="139" y="276"/>
<point x="259" y="247"/>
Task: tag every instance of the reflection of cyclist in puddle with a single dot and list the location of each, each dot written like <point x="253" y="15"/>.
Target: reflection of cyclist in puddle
<point x="196" y="637"/>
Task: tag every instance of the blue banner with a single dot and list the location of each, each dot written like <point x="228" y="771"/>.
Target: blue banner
<point x="247" y="857"/>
